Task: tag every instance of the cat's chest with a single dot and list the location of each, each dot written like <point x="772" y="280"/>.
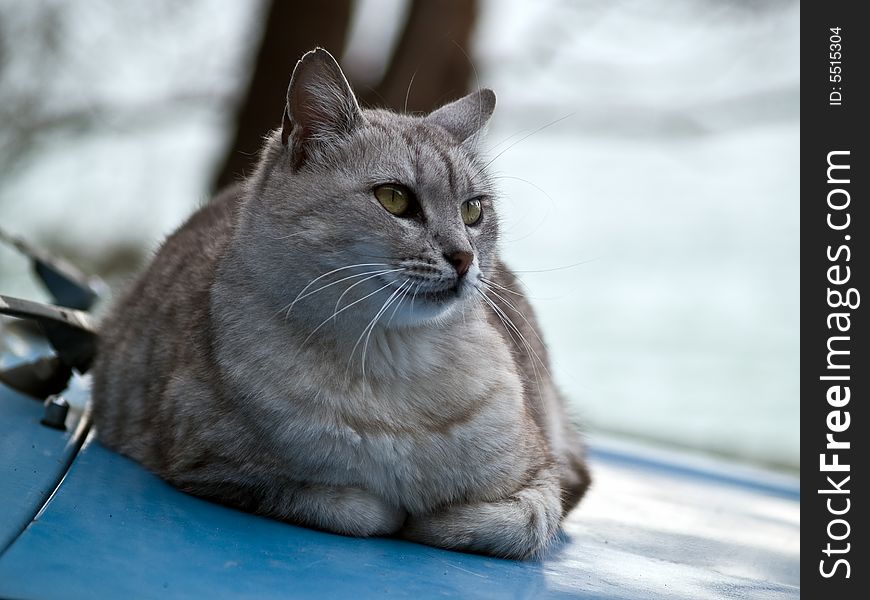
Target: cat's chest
<point x="449" y="427"/>
<point x="415" y="457"/>
<point x="418" y="384"/>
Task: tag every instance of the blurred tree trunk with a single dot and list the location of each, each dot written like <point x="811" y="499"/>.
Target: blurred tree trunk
<point x="434" y="47"/>
<point x="291" y="29"/>
<point x="431" y="50"/>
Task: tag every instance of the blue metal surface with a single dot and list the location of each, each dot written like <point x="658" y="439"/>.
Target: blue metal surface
<point x="655" y="525"/>
<point x="698" y="469"/>
<point x="113" y="530"/>
<point x="82" y="522"/>
<point x="33" y="460"/>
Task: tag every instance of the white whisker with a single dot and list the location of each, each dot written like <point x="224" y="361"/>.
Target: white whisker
<point x="414" y="296"/>
<point x="361" y="281"/>
<point x="571" y="266"/>
<point x="399" y="303"/>
<point x="490" y="282"/>
<point x="530" y="352"/>
<point x="335" y="314"/>
<point x="323" y="287"/>
<point x="372" y="327"/>
<point x="506" y="321"/>
<point x="514" y="308"/>
<point x="316" y="279"/>
<point x="525" y="137"/>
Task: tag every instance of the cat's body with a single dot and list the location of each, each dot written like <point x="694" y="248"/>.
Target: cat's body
<point x="414" y="409"/>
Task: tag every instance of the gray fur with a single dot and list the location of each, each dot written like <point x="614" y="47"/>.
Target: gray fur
<point x="465" y="117"/>
<point x="253" y="364"/>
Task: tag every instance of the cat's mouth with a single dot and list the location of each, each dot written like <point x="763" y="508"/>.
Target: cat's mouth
<point x="441" y="296"/>
<point x="427" y="299"/>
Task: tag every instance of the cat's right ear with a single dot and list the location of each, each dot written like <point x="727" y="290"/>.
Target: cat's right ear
<point x="465" y="117"/>
<point x="320" y="104"/>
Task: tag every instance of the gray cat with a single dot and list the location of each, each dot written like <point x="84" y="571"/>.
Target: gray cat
<point x="337" y="344"/>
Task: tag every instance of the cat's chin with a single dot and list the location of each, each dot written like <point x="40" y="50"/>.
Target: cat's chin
<point x="436" y="307"/>
<point x="440" y="299"/>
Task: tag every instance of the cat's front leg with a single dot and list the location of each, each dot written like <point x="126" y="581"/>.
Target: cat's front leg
<point x="519" y="526"/>
<point x="345" y="510"/>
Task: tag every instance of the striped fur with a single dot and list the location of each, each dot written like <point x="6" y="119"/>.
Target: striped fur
<point x="297" y="351"/>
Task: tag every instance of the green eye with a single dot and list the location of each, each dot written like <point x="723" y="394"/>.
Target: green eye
<point x="395" y="199"/>
<point x="471" y="211"/>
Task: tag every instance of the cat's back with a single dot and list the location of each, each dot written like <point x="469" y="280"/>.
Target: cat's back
<point x="183" y="267"/>
<point x="160" y="323"/>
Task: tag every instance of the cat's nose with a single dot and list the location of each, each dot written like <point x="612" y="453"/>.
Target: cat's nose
<point x="460" y="260"/>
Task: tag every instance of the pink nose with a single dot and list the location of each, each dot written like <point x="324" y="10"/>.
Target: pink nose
<point x="461" y="261"/>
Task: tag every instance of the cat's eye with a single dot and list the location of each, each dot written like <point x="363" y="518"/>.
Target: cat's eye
<point x="471" y="211"/>
<point x="394" y="198"/>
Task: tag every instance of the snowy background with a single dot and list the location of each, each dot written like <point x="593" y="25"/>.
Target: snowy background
<point x="652" y="209"/>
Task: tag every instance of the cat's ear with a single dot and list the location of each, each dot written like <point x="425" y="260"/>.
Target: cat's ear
<point x="320" y="103"/>
<point x="464" y="117"/>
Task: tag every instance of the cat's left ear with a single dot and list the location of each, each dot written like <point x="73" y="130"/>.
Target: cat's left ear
<point x="320" y="103"/>
<point x="465" y="117"/>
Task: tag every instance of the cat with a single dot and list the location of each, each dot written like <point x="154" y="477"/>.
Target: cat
<point x="336" y="343"/>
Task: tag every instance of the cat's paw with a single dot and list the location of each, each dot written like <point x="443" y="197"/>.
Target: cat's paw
<point x="347" y="510"/>
<point x="369" y="515"/>
<point x="518" y="527"/>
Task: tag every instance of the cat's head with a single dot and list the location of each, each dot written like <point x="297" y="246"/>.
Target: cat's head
<point x="370" y="207"/>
